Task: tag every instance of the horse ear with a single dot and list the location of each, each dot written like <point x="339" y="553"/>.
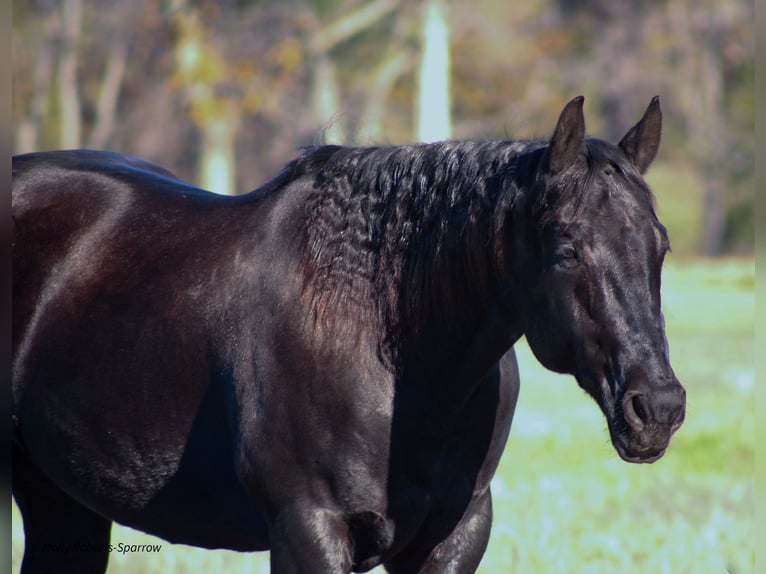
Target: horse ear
<point x="641" y="143"/>
<point x="568" y="136"/>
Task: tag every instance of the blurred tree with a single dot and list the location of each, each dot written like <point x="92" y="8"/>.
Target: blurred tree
<point x="80" y="59"/>
<point x="396" y="60"/>
<point x="704" y="51"/>
<point x="272" y="75"/>
<point x="203" y="74"/>
<point x="699" y="56"/>
<point x="69" y="88"/>
<point x="324" y="38"/>
<point x="510" y="68"/>
<point x="109" y="92"/>
<point x="32" y="94"/>
<point x="434" y="120"/>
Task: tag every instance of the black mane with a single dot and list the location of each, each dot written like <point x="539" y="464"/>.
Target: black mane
<point x="396" y="221"/>
<point x="419" y="228"/>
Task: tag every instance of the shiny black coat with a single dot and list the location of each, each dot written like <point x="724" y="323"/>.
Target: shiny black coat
<point x="321" y="367"/>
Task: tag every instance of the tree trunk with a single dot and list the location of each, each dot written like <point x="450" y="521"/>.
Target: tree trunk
<point x="217" y="161"/>
<point x="325" y="93"/>
<point x="701" y="97"/>
<point x="71" y="124"/>
<point x="715" y="204"/>
<point x="28" y="131"/>
<point x="110" y="92"/>
<point x="215" y="114"/>
<point x="374" y="112"/>
<point x="714" y="218"/>
<point x="326" y="101"/>
<point x="434" y="92"/>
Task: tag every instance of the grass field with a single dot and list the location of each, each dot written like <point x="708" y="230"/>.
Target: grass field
<point x="564" y="501"/>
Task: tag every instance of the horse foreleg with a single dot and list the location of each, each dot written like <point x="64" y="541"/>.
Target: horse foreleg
<point x="308" y="539"/>
<point x="460" y="552"/>
<point x="61" y="535"/>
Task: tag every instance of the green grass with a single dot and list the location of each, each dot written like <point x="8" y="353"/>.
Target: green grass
<point x="565" y="502"/>
<point x="678" y="204"/>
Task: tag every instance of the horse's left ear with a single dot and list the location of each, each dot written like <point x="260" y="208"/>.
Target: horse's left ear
<point x="641" y="143"/>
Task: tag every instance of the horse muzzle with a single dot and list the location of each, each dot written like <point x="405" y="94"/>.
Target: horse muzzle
<point x="645" y="420"/>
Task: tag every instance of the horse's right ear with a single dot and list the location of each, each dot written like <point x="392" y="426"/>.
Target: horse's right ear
<point x="567" y="138"/>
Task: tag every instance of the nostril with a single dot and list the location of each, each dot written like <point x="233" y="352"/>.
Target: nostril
<point x="676" y="408"/>
<point x="677" y="417"/>
<point x="638" y="407"/>
<point x="633" y="409"/>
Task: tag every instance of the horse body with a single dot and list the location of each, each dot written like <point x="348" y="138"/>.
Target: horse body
<point x="321" y="367"/>
<point x="152" y="380"/>
<point x="127" y="318"/>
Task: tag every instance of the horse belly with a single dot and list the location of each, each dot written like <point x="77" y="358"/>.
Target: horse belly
<point x="204" y="508"/>
<point x="189" y="495"/>
<point x="156" y="457"/>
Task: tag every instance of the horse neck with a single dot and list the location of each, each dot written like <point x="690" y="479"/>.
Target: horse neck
<point x="409" y="241"/>
<point x="450" y="277"/>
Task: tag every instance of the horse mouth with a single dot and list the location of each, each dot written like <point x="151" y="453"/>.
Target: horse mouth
<point x="629" y="446"/>
<point x="637" y="456"/>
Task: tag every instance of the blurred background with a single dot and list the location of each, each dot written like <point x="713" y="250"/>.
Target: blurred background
<point x="225" y="93"/>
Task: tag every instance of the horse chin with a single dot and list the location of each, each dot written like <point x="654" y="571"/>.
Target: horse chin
<point x="634" y="456"/>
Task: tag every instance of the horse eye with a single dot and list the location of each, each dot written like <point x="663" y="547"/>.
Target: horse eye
<point x="568" y="257"/>
<point x="611" y="169"/>
<point x="569" y="253"/>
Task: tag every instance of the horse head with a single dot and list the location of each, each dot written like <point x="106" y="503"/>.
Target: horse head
<point x="590" y="257"/>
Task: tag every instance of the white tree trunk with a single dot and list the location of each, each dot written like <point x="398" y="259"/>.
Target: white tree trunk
<point x="217" y="161"/>
<point x="434" y="92"/>
<point x="326" y="101"/>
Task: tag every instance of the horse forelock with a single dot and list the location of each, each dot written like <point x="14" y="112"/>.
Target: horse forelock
<point x="576" y="191"/>
<point x="402" y="233"/>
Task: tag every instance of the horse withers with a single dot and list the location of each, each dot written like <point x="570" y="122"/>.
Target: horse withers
<point x="323" y="367"/>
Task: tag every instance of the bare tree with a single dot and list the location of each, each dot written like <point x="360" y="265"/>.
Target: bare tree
<point x="701" y="95"/>
<point x="393" y="65"/>
<point x="106" y="107"/>
<point x="29" y="125"/>
<point x="267" y="74"/>
<point x="69" y="92"/>
<point x="203" y="73"/>
<point x="325" y="91"/>
<point x="434" y="80"/>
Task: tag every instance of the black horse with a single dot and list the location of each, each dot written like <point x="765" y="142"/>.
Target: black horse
<point x="321" y="367"/>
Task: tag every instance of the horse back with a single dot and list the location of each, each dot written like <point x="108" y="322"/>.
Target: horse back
<point x="133" y="293"/>
<point x="75" y="215"/>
